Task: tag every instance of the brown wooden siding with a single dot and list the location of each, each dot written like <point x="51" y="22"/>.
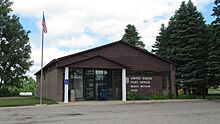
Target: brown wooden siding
<point x="125" y="55"/>
<point x="96" y="62"/>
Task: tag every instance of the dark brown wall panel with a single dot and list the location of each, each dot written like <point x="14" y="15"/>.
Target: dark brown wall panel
<point x="132" y="58"/>
<point x="125" y="55"/>
<point x="96" y="62"/>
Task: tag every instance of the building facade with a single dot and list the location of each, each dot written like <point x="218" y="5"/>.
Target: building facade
<point x="117" y="68"/>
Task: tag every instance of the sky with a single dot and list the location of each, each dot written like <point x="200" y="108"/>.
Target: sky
<point x="77" y="25"/>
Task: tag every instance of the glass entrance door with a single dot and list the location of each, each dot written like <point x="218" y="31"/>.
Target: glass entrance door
<point x="97" y="79"/>
<point x="100" y="84"/>
<point x="89" y="84"/>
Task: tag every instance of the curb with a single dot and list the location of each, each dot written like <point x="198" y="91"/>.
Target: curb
<point x="22" y="107"/>
<point x="166" y="101"/>
<point x="93" y="103"/>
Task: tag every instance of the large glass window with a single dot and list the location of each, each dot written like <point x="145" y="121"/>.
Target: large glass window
<point x="99" y="81"/>
<point x="108" y="81"/>
<point x="116" y="81"/>
<point x="88" y="82"/>
<point x="78" y="82"/>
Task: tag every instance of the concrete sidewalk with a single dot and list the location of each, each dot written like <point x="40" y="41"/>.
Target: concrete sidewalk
<point x="119" y="102"/>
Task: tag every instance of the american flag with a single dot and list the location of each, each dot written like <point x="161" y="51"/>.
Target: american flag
<point x="44" y="27"/>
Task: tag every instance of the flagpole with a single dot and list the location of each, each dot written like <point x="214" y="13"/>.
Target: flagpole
<point x="41" y="76"/>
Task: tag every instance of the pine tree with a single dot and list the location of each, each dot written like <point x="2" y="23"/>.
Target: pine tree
<point x="15" y="48"/>
<point x="214" y="48"/>
<point x="216" y="12"/>
<point x="194" y="70"/>
<point x="187" y="47"/>
<point x="131" y="36"/>
<point x="161" y="44"/>
<point x="177" y="41"/>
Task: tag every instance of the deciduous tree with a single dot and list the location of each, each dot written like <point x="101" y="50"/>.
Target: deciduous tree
<point x="15" y="48"/>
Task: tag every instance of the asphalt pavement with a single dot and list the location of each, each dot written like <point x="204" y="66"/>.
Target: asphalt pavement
<point x="195" y="112"/>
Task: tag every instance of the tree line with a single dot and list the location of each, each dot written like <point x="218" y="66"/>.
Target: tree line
<point x="191" y="44"/>
<point x="194" y="46"/>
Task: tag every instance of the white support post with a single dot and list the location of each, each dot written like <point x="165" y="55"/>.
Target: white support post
<point x="66" y="85"/>
<point x="123" y="84"/>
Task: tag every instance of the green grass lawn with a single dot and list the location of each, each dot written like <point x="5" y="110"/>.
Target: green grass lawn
<point x="214" y="91"/>
<point x="23" y="101"/>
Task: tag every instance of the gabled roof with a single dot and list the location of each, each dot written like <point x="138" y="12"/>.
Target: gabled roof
<point x="55" y="61"/>
<point x="93" y="58"/>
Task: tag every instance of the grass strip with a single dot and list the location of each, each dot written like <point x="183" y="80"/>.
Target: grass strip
<point x="23" y="101"/>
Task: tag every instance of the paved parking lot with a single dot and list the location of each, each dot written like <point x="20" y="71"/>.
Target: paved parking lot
<point x="202" y="112"/>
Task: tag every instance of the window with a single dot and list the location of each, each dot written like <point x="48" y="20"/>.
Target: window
<point x="78" y="82"/>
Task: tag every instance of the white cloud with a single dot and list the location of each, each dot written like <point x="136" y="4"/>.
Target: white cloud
<point x="69" y="20"/>
<point x="83" y="41"/>
<point x="150" y="31"/>
<point x="49" y="54"/>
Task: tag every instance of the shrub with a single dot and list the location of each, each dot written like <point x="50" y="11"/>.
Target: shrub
<point x="182" y="96"/>
<point x="28" y="85"/>
<point x="131" y="96"/>
<point x="134" y="96"/>
<point x="158" y="97"/>
<point x="5" y="92"/>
